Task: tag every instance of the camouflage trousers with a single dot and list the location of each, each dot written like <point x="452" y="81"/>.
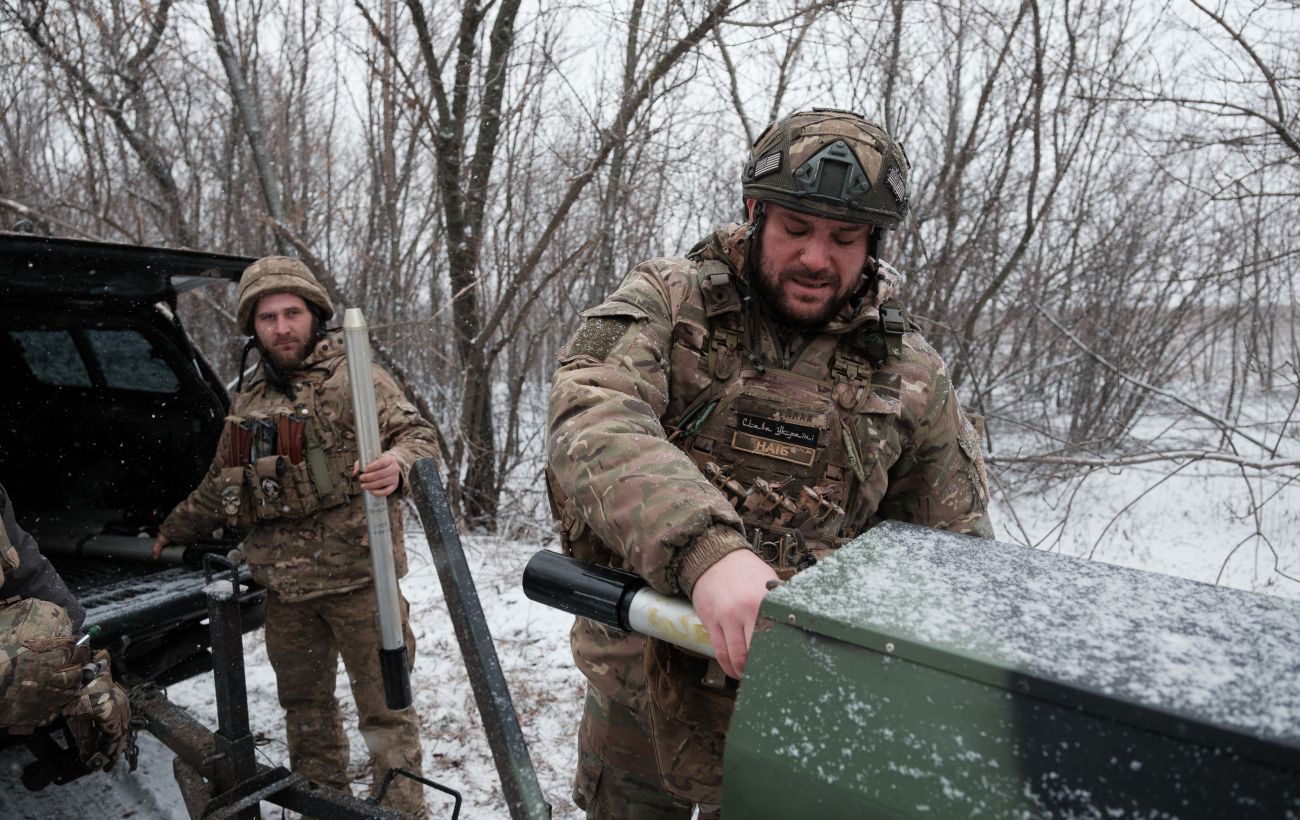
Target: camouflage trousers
<point x="304" y="640"/>
<point x="618" y="778"/>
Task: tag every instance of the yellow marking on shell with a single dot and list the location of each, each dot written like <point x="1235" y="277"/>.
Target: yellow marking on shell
<point x="681" y="629"/>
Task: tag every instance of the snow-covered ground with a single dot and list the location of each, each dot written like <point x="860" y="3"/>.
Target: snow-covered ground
<point x="532" y="644"/>
<point x="1196" y="522"/>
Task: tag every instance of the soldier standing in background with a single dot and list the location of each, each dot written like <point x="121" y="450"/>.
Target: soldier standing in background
<point x="286" y="470"/>
<point x="727" y="419"/>
<point x="44" y="671"/>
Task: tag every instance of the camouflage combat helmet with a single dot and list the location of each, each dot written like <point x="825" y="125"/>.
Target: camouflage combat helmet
<point x="830" y="163"/>
<point x="278" y="274"/>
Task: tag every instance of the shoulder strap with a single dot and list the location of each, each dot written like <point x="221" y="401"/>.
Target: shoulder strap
<point x="721" y="299"/>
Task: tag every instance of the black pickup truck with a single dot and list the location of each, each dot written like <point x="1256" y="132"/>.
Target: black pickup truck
<point x="109" y="417"/>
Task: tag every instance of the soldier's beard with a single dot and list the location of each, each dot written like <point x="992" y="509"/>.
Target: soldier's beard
<point x="287" y="360"/>
<point x="288" y="355"/>
<point x="771" y="289"/>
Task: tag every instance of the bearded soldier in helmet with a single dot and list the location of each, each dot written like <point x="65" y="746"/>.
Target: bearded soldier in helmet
<point x="727" y="419"/>
<point x="45" y="671"/>
<point x="286" y="470"/>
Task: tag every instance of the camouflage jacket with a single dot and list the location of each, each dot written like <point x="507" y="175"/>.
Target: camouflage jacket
<point x="31" y="575"/>
<point x="304" y="539"/>
<point x="627" y="495"/>
<point x="40" y="668"/>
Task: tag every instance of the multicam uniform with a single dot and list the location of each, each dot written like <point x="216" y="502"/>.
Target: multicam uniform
<point x="283" y="468"/>
<point x="682" y="416"/>
<point x="42" y="670"/>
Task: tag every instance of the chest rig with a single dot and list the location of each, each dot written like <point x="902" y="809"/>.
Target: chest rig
<point x="780" y="442"/>
<point x="290" y="458"/>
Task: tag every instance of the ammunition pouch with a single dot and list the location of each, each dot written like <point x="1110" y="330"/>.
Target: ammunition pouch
<point x="234" y="504"/>
<point x="689" y="705"/>
<point x="284" y="466"/>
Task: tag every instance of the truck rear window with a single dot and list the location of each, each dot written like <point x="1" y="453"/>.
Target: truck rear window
<point x="119" y="359"/>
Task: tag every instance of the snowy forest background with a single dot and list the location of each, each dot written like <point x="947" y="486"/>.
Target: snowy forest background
<point x="1102" y="241"/>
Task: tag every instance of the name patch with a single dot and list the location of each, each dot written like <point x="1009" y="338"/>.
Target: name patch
<point x="796" y="443"/>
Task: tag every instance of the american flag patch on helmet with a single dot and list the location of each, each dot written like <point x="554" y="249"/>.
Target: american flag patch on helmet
<point x="897" y="184"/>
<point x="768" y="164"/>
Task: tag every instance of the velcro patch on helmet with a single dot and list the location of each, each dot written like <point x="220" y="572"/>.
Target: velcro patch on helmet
<point x="897" y="184"/>
<point x="767" y="165"/>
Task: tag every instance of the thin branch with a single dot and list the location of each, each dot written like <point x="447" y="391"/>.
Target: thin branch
<point x="1277" y="124"/>
<point x="1277" y="567"/>
<point x="1145" y="458"/>
<point x="614" y="134"/>
<point x="1222" y="424"/>
<point x="385" y="359"/>
<point x="35" y="213"/>
<point x="1130" y="506"/>
<point x="247" y="106"/>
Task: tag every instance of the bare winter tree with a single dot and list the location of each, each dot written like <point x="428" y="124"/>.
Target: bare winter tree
<point x="1103" y="194"/>
<point x="123" y="91"/>
<point x="465" y="131"/>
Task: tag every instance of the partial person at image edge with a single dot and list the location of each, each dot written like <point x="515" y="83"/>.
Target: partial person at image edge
<point x="45" y="670"/>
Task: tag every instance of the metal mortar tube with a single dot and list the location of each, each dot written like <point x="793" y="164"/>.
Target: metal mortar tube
<point x="393" y="660"/>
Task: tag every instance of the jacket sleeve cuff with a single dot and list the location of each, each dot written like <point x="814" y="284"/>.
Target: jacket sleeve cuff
<point x="177" y="532"/>
<point x="405" y="464"/>
<point x="705" y="551"/>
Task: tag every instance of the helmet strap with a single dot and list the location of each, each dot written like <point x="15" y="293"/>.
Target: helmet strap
<point x="318" y="327"/>
<point x="869" y="267"/>
<point x="754" y="242"/>
<point x="243" y="362"/>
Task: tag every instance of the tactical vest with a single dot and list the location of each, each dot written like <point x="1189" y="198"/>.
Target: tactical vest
<point x="287" y="462"/>
<point x="788" y="448"/>
<point x="792" y="451"/>
<point x="783" y="445"/>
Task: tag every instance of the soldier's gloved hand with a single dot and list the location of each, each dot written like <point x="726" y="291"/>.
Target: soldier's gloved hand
<point x="100" y="718"/>
<point x="46" y="674"/>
